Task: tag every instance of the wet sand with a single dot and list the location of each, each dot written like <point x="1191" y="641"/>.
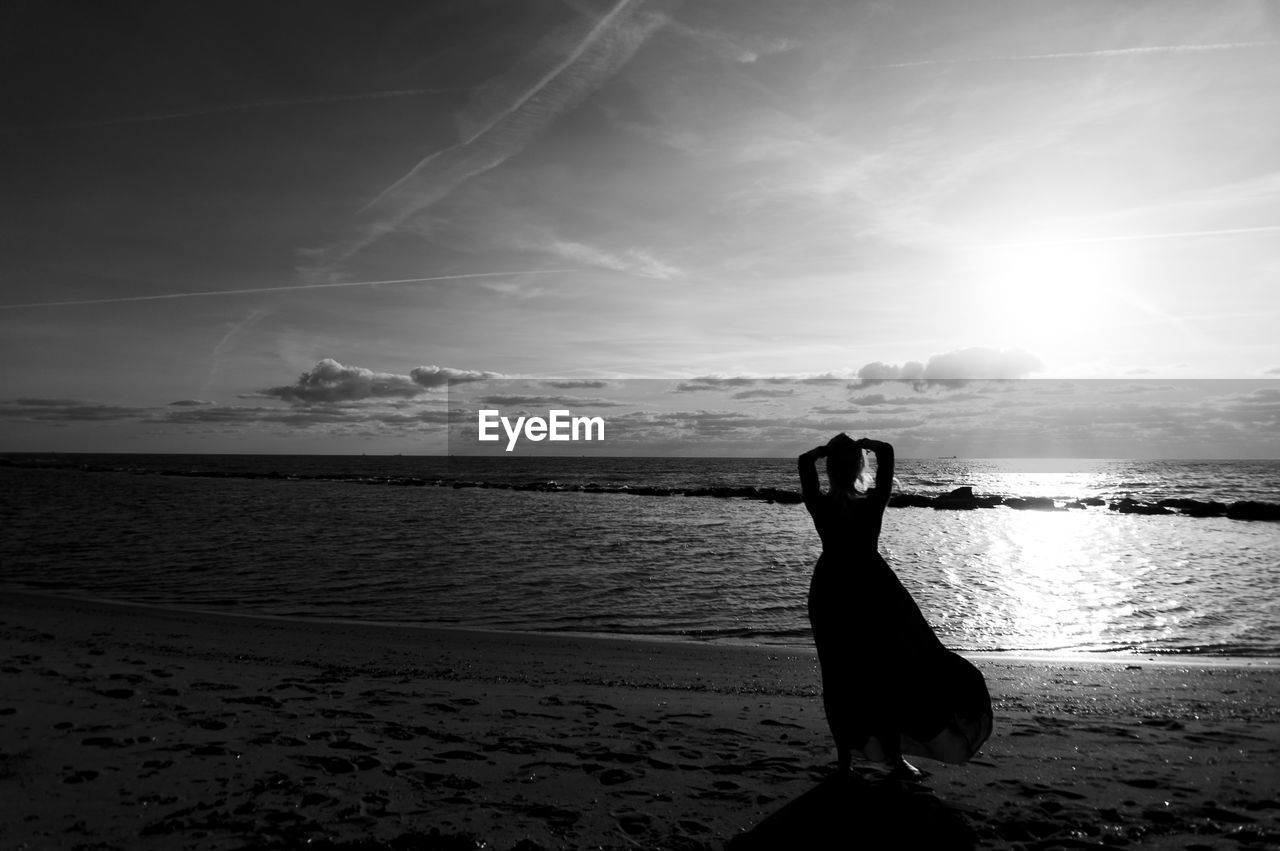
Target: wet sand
<point x="131" y="727"/>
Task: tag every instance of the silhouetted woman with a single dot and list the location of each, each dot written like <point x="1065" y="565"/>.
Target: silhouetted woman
<point x="889" y="687"/>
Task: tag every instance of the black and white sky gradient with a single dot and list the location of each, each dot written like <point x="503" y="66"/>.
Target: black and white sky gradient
<point x="286" y="226"/>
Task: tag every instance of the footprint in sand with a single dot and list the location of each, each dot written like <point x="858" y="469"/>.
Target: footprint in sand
<point x="461" y="755"/>
<point x="557" y="818"/>
<point x="447" y="781"/>
<point x="255" y="700"/>
<point x="769" y="722"/>
<point x="312" y="799"/>
<point x="614" y="756"/>
<point x="513" y="745"/>
<point x="1031" y="790"/>
<point x="155" y="766"/>
<point x="131" y="679"/>
<point x="351" y="745"/>
<point x="327" y="764"/>
<point x="345" y="713"/>
<point x="112" y="742"/>
<point x="631" y="822"/>
<point x="214" y="749"/>
<point x="677" y="716"/>
<point x="1216" y="813"/>
<point x="614" y="776"/>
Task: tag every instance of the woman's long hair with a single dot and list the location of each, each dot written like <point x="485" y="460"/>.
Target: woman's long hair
<point x="847" y="464"/>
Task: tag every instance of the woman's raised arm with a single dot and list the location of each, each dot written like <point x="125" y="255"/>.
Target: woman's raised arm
<point x="809" y="488"/>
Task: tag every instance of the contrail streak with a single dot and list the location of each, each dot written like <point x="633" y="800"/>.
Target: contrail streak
<point x="253" y="317"/>
<point x="600" y="27"/>
<point x="1084" y="240"/>
<point x="338" y="285"/>
<point x="215" y="357"/>
<point x="1083" y="54"/>
<point x="596" y="56"/>
<point x="229" y="107"/>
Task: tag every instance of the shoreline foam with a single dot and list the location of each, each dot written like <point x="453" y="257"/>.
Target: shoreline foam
<point x="1113" y="657"/>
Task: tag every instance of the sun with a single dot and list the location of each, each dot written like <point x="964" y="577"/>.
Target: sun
<point x="1046" y="295"/>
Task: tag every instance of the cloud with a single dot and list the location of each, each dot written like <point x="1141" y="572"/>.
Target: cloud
<point x="699" y="385"/>
<point x="638" y="262"/>
<point x="189" y="403"/>
<point x="341" y="416"/>
<point x="762" y="394"/>
<point x="547" y="401"/>
<point x="66" y="410"/>
<point x="1059" y="388"/>
<point x="437" y="376"/>
<point x="881" y="371"/>
<point x="578" y="384"/>
<point x="982" y="363"/>
<point x="1134" y="388"/>
<point x="330" y="381"/>
<point x="239" y="415"/>
<point x="1260" y="406"/>
<point x="744" y="48"/>
<point x="976" y="363"/>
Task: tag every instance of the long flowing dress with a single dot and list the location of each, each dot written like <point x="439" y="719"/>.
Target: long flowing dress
<point x="885" y="675"/>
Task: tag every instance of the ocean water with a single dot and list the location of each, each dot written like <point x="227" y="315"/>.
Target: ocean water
<point x="333" y="537"/>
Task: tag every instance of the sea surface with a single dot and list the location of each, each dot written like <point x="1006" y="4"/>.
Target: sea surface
<point x="399" y="540"/>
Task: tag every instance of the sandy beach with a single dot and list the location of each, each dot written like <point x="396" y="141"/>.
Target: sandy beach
<point x="132" y="727"/>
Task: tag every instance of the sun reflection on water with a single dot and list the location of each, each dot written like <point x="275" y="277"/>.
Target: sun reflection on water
<point x="1060" y="587"/>
<point x="1044" y="581"/>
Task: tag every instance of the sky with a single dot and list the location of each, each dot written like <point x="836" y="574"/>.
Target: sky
<point x="289" y="227"/>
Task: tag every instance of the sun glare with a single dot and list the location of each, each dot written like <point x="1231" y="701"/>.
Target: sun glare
<point x="1039" y="294"/>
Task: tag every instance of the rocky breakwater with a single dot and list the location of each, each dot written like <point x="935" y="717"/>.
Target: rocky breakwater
<point x="959" y="499"/>
<point x="1241" y="510"/>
